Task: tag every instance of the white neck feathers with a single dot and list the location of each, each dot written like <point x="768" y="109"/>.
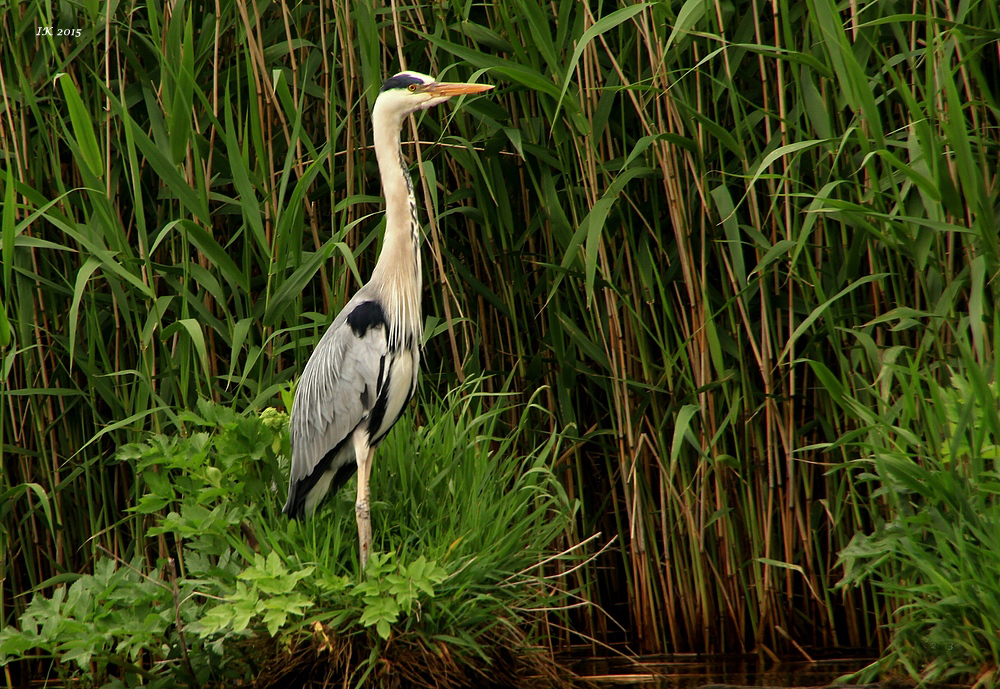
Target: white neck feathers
<point x="397" y="277"/>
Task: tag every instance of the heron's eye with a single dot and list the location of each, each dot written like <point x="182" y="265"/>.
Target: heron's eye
<point x="412" y="87"/>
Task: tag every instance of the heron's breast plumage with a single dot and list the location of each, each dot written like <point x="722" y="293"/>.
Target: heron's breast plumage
<point x="396" y="389"/>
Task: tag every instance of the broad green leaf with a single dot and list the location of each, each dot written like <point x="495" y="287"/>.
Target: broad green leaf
<point x="823" y="308"/>
<point x="8" y="231"/>
<point x="82" y="277"/>
<point x="691" y="12"/>
<point x="523" y="74"/>
<point x="291" y="288"/>
<point x="85" y="140"/>
<point x="601" y="26"/>
<point x="682" y="426"/>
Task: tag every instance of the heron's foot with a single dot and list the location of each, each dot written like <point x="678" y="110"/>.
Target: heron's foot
<point x="363" y="515"/>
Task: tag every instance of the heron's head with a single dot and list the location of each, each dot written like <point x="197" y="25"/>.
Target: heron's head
<point x="408" y="92"/>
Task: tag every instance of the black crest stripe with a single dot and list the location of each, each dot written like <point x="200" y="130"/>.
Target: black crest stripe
<point x="400" y="81"/>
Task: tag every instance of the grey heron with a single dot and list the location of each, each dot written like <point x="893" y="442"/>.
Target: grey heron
<point x="364" y="369"/>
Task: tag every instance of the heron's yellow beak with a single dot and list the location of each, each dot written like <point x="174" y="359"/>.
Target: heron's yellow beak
<point x="448" y="89"/>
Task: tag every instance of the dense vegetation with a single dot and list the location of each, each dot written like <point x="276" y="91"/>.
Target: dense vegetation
<point x="742" y="254"/>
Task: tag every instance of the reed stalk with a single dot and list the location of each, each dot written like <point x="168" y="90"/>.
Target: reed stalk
<point x="664" y="215"/>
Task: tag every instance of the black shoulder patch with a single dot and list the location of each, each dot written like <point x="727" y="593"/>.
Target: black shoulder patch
<point x="365" y="316"/>
<point x="400" y="81"/>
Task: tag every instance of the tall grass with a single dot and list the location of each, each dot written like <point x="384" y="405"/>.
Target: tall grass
<point x="664" y="214"/>
<point x="936" y="553"/>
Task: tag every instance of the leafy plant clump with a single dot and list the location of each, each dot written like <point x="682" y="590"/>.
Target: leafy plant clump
<point x="222" y="588"/>
<point x="932" y="457"/>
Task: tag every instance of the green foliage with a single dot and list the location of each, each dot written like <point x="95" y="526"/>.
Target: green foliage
<point x="242" y="570"/>
<point x="113" y="616"/>
<point x="244" y="605"/>
<point x="390" y="591"/>
<point x="662" y="214"/>
<point x="931" y="453"/>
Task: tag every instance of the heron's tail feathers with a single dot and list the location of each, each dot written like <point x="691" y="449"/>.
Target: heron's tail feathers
<point x="305" y="494"/>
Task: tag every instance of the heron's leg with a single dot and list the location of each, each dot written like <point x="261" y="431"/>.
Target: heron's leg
<point x="363" y="454"/>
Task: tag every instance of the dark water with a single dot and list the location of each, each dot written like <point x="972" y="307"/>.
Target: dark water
<point x="690" y="671"/>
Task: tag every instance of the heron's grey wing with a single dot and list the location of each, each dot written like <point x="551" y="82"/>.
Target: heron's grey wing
<point x="335" y="394"/>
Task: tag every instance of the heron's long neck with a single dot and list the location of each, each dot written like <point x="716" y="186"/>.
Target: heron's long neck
<point x="397" y="272"/>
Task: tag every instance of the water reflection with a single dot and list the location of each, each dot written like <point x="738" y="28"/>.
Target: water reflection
<point x="691" y="671"/>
